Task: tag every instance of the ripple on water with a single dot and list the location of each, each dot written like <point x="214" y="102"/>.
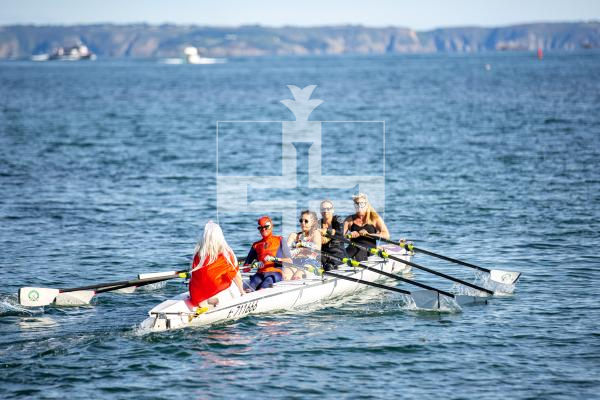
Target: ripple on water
<point x="9" y="306"/>
<point x="499" y="169"/>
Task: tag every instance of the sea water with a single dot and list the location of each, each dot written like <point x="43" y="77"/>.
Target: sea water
<point x="108" y="169"/>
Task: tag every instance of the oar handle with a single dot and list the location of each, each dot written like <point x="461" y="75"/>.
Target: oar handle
<point x="384" y="254"/>
<point x="368" y="283"/>
<point x="402" y="243"/>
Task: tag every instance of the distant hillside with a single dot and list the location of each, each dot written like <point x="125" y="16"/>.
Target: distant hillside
<point x="152" y="41"/>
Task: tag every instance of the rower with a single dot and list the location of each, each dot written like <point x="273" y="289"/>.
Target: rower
<point x="305" y="247"/>
<point x="365" y="221"/>
<point x="331" y="225"/>
<point x="215" y="273"/>
<point x="268" y="254"/>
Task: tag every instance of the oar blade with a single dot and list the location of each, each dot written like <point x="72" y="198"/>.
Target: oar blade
<point x="504" y="277"/>
<point x="152" y="275"/>
<point x="37" y="297"/>
<point x="76" y="298"/>
<point x="426" y="299"/>
<point x="466" y="300"/>
<point x="126" y="290"/>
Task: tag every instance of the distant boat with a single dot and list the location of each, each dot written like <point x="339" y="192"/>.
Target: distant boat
<point x="192" y="56"/>
<point x="74" y="53"/>
<point x="540" y="53"/>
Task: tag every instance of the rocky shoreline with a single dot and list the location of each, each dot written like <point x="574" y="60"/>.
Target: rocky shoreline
<point x="156" y="41"/>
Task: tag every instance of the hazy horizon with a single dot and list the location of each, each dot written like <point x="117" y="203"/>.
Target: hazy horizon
<point x="424" y="15"/>
<point x="300" y="26"/>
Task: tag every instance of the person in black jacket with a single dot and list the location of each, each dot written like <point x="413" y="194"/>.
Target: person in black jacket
<point x="331" y="225"/>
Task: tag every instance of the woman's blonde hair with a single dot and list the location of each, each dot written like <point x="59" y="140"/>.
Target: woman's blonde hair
<point x="372" y="215"/>
<point x="212" y="244"/>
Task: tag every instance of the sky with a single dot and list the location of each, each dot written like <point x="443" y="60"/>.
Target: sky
<point x="416" y="14"/>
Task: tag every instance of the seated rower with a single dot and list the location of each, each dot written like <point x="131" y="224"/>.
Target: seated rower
<point x="268" y="254"/>
<point x="331" y="225"/>
<point x="365" y="221"/>
<point x="305" y="247"/>
<point x="215" y="274"/>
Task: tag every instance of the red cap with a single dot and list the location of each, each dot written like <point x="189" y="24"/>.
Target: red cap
<point x="263" y="220"/>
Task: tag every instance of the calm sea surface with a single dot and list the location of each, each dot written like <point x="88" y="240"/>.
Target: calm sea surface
<point x="108" y="169"/>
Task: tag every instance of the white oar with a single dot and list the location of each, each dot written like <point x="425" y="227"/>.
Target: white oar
<point x="38" y="296"/>
<point x="496" y="275"/>
<point x="152" y="275"/>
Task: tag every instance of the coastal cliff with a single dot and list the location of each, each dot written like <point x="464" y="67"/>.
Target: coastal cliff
<point x="156" y="41"/>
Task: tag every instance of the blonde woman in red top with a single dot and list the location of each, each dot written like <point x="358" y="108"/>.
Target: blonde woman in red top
<point x="215" y="274"/>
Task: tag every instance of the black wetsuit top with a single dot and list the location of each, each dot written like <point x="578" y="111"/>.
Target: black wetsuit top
<point x="334" y="246"/>
<point x="356" y="253"/>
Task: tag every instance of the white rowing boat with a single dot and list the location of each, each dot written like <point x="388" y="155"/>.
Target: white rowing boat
<point x="178" y="312"/>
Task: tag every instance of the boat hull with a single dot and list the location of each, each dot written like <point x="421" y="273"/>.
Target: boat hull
<point x="178" y="312"/>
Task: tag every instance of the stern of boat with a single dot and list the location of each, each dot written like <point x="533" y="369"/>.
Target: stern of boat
<point x="170" y="314"/>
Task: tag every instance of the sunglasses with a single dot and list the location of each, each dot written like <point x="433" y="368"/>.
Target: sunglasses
<point x="306" y="221"/>
<point x="264" y="228"/>
<point x="360" y="204"/>
<point x="326" y="209"/>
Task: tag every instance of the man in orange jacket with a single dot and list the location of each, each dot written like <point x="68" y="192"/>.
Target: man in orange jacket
<point x="268" y="253"/>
